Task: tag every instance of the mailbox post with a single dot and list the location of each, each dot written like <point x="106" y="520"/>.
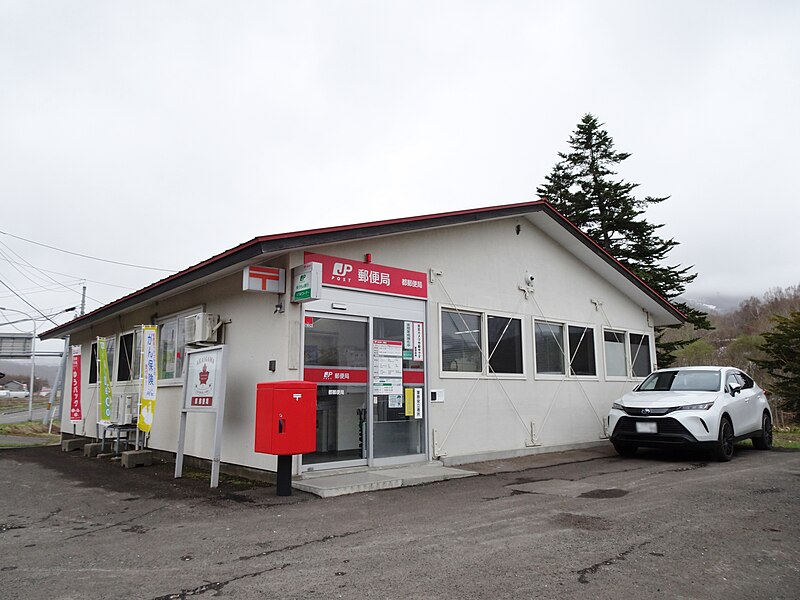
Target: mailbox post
<point x="286" y="413"/>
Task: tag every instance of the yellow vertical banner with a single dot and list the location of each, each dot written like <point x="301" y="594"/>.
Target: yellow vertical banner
<point x="103" y="382"/>
<point x="149" y="370"/>
<point x="409" y="404"/>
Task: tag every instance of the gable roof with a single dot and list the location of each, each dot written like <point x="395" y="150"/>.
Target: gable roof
<point x="540" y="212"/>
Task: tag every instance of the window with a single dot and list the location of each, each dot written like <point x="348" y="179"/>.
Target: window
<point x="464" y="346"/>
<point x="640" y="355"/>
<point x="549" y="340"/>
<point x="93" y="364"/>
<point x="109" y="355"/>
<point x="635" y="363"/>
<point x="581" y="347"/>
<point x="505" y="344"/>
<point x="130" y="350"/>
<point x="614" y="346"/>
<point x="461" y="342"/>
<point x="171" y="347"/>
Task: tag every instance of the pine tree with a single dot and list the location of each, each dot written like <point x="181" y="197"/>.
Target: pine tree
<point x="782" y="347"/>
<point x="582" y="186"/>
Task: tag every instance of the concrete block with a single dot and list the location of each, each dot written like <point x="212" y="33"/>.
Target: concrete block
<point x="74" y="444"/>
<point x="92" y="450"/>
<point x="137" y="458"/>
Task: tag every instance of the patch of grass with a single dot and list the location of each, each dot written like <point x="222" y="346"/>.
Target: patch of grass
<point x="786" y="437"/>
<point x="29" y="428"/>
<point x="19" y="404"/>
<point x="239" y="483"/>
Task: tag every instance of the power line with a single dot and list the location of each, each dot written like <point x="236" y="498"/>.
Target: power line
<point x="26" y="302"/>
<point x="34" y="268"/>
<point x="76" y="277"/>
<point x="113" y="262"/>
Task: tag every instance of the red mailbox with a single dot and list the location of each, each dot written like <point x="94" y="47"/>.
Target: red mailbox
<point x="286" y="417"/>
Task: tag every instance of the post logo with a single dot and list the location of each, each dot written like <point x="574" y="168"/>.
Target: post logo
<point x="341" y="269"/>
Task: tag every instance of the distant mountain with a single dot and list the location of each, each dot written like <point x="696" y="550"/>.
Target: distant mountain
<point x="714" y="303"/>
<point x="21" y="369"/>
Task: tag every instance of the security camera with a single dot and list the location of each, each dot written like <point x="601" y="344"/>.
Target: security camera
<point x="529" y="279"/>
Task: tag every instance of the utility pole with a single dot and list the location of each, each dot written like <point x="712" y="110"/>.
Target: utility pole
<point x="83" y="300"/>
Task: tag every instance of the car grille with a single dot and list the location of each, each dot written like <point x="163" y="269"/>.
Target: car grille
<point x="653" y="412"/>
<point x="668" y="426"/>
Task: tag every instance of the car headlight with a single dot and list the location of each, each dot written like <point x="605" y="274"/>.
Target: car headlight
<point x="617" y="406"/>
<point x="703" y="406"/>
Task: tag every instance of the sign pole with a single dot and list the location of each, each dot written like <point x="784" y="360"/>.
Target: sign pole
<point x="181" y="440"/>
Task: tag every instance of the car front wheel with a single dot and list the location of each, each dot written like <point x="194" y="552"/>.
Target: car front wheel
<point x="764" y="441"/>
<point x="724" y="449"/>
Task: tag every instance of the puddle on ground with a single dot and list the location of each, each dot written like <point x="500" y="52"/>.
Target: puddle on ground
<point x="585" y="522"/>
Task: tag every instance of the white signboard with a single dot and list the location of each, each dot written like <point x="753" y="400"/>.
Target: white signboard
<point x="417" y="403"/>
<point x="264" y="279"/>
<point x="204" y="391"/>
<point x="307" y="282"/>
<point x="202" y="377"/>
<point x="418" y="350"/>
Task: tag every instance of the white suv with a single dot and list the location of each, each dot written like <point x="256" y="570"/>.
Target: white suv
<point x="701" y="406"/>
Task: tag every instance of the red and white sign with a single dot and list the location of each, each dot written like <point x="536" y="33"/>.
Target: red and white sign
<point x="334" y="375"/>
<point x="354" y="274"/>
<point x="264" y="279"/>
<point x="75" y="409"/>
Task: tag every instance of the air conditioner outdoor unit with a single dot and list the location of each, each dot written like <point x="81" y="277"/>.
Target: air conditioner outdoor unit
<point x="201" y="328"/>
<point x="124" y="408"/>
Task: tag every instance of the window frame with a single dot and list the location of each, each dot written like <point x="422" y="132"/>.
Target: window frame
<point x="160" y="322"/>
<point x="628" y="354"/>
<point x="571" y="355"/>
<point x="562" y="347"/>
<point x="566" y="351"/>
<point x="522" y="343"/>
<point x="484" y="372"/>
<point x="650" y="354"/>
<point x="135" y="365"/>
<point x="111" y="357"/>
<point x="625" y="351"/>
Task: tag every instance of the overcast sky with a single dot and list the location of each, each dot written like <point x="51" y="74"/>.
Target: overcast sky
<point x="160" y="133"/>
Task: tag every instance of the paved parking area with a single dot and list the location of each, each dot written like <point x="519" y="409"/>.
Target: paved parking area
<point x="655" y="526"/>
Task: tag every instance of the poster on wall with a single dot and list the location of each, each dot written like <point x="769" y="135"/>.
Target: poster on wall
<point x="418" y="352"/>
<point x="417" y="403"/>
<point x="387" y="370"/>
<point x="149" y="370"/>
<point x="75" y="408"/>
<point x="103" y="383"/>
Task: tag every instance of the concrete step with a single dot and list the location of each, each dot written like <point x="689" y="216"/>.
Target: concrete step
<point x="339" y="484"/>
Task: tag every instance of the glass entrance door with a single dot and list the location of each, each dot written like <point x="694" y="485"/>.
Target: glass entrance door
<point x="398" y="378"/>
<point x="335" y="357"/>
<point x="369" y="367"/>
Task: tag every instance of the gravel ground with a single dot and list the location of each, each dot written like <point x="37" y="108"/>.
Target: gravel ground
<point x="654" y="526"/>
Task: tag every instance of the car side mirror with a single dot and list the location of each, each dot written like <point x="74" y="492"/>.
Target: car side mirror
<point x="735" y="388"/>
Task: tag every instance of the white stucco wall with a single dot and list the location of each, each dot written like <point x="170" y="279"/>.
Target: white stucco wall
<point x="482" y="266"/>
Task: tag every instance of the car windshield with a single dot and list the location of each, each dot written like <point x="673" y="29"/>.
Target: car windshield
<point x="681" y="380"/>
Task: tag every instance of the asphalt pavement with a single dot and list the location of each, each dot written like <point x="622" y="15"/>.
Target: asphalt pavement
<point x="574" y="525"/>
